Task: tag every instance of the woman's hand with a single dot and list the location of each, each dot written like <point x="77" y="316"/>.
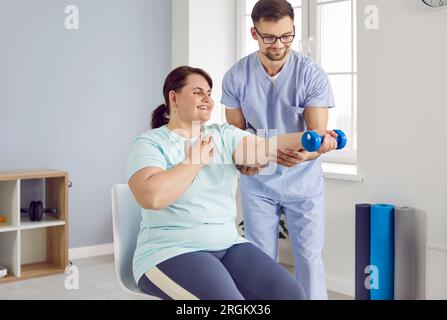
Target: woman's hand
<point x="201" y="153"/>
<point x="329" y="143"/>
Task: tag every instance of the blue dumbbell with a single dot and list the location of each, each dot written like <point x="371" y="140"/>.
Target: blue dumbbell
<point x="312" y="141"/>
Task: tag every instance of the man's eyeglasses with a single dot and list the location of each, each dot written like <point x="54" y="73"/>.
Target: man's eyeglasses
<point x="270" y="39"/>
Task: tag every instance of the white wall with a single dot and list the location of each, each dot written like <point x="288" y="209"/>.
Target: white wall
<point x="210" y="29"/>
<point x="75" y="100"/>
<point x="401" y="115"/>
<point x="180" y="32"/>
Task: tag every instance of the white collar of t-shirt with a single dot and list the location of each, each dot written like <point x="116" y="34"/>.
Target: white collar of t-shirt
<point x="274" y="78"/>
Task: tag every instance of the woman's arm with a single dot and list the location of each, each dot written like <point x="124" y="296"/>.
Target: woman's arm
<point x="256" y="152"/>
<point x="251" y="151"/>
<point x="155" y="188"/>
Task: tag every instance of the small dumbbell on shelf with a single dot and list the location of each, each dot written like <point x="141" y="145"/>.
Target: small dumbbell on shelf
<point x="36" y="210"/>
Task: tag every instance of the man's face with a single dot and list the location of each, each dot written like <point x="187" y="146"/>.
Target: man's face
<point x="276" y="51"/>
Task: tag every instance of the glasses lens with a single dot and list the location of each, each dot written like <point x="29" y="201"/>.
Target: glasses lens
<point x="287" y="39"/>
<point x="269" y="40"/>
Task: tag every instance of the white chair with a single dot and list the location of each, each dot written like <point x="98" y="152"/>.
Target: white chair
<point x="126" y="216"/>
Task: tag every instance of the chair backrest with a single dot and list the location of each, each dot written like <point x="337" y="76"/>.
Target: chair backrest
<point x="126" y="214"/>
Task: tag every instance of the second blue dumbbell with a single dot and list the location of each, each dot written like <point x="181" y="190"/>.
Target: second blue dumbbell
<point x="312" y="141"/>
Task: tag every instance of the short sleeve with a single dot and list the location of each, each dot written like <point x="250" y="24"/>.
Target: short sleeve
<point x="319" y="91"/>
<point x="232" y="136"/>
<point x="144" y="153"/>
<point x="229" y="97"/>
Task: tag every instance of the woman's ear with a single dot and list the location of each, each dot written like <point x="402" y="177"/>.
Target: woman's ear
<point x="172" y="97"/>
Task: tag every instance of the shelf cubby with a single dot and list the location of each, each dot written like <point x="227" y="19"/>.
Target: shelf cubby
<point x="9" y="255"/>
<point x="33" y="248"/>
<point x="9" y="205"/>
<point x="42" y="252"/>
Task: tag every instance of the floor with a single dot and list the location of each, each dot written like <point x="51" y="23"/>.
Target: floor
<point x="97" y="280"/>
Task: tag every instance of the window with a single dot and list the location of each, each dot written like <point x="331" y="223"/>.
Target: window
<point x="325" y="31"/>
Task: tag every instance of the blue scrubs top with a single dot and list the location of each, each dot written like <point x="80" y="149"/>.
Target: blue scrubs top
<point x="272" y="110"/>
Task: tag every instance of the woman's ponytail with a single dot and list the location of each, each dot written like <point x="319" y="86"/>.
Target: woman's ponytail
<point x="160" y="116"/>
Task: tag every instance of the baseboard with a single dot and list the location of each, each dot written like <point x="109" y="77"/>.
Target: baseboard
<point x="91" y="251"/>
<point x="341" y="287"/>
<point x="436" y="278"/>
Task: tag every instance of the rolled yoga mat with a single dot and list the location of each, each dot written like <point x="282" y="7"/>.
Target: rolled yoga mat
<point x="382" y="252"/>
<point x="404" y="253"/>
<point x="362" y="249"/>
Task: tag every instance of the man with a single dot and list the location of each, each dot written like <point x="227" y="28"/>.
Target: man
<point x="278" y="88"/>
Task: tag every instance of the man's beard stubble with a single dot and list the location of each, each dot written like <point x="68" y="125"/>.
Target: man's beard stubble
<point x="275" y="58"/>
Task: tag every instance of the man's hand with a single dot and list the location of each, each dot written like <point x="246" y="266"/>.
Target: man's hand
<point x="249" y="171"/>
<point x="290" y="158"/>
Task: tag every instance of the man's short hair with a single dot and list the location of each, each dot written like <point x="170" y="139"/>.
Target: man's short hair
<point x="272" y="10"/>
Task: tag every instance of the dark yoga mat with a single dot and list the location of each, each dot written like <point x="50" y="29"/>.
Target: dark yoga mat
<point x="362" y="249"/>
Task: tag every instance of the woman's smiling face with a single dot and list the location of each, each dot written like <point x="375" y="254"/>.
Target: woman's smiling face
<point x="193" y="102"/>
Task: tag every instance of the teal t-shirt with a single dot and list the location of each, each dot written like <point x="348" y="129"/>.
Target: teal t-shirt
<point x="203" y="218"/>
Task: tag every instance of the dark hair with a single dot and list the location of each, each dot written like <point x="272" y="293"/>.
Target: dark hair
<point x="175" y="80"/>
<point x="272" y="10"/>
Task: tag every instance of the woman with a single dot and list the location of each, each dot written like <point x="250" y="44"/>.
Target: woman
<point x="183" y="174"/>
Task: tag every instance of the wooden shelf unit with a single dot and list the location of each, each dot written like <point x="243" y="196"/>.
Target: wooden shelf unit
<point x="33" y="248"/>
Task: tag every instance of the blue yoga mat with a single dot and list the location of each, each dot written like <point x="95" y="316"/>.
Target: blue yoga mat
<point x="382" y="252"/>
<point x="362" y="249"/>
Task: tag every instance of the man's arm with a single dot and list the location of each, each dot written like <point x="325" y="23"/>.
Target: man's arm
<point x="236" y="118"/>
<point x="316" y="119"/>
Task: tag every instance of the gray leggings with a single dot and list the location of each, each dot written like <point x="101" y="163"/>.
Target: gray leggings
<point x="241" y="272"/>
